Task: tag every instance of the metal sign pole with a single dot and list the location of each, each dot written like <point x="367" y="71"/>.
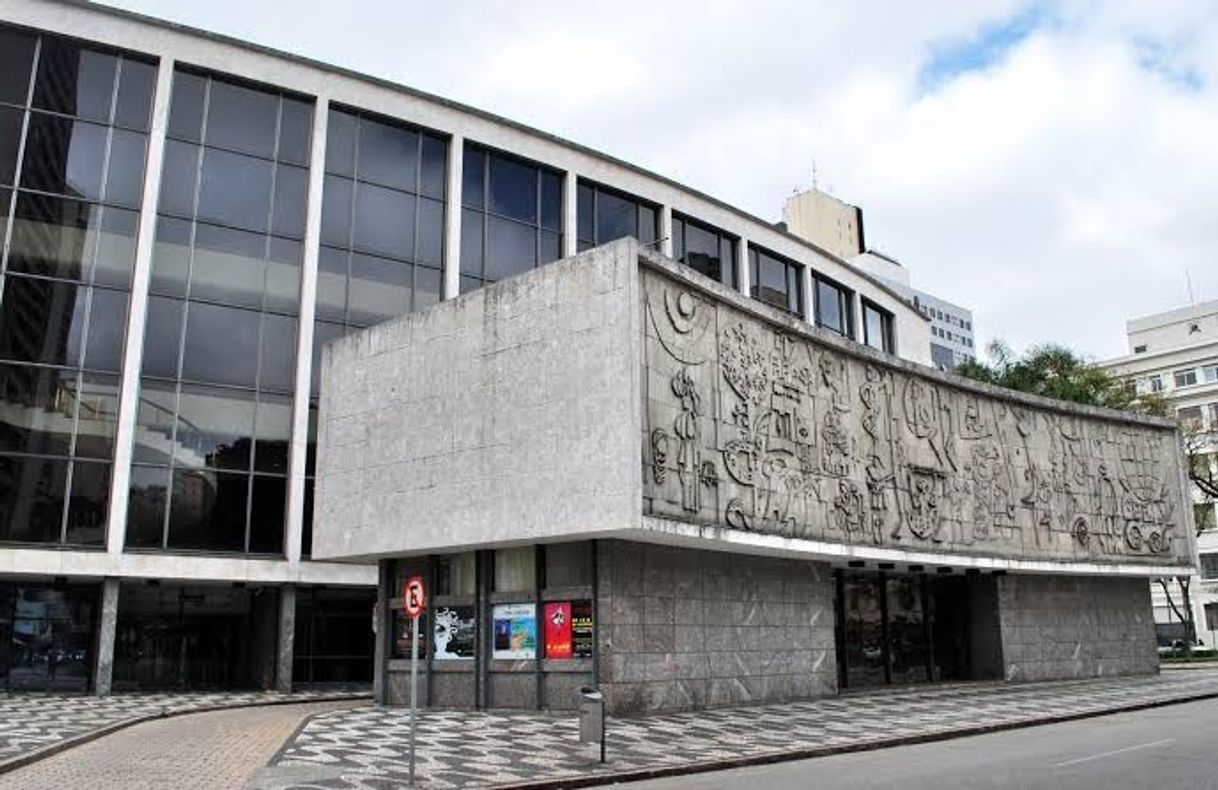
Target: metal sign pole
<point x="414" y="685"/>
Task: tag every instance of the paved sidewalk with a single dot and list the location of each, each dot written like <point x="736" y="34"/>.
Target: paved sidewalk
<point x="31" y="722"/>
<point x="367" y="747"/>
<point x="199" y="751"/>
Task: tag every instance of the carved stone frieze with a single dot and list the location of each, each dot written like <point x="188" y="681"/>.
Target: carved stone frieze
<point x="772" y="432"/>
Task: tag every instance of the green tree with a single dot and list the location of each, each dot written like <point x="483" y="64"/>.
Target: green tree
<point x="1057" y="372"/>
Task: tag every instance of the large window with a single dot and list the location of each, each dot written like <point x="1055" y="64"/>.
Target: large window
<point x="776" y="280"/>
<point x="511" y="220"/>
<point x="215" y="405"/>
<point x="1185" y="378"/>
<point x="705" y="249"/>
<point x="833" y="306"/>
<point x="877" y="328"/>
<point x="382" y="237"/>
<point x="69" y="201"/>
<point x="605" y="215"/>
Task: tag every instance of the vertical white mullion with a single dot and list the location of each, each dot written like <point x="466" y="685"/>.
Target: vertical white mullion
<point x="743" y="273"/>
<point x="805" y="285"/>
<point x="451" y="287"/>
<point x="856" y="315"/>
<point x="570" y="219"/>
<point x="137" y="313"/>
<point x="666" y="231"/>
<point x="304" y="337"/>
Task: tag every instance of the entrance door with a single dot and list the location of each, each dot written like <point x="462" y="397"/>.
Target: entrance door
<point x="902" y="628"/>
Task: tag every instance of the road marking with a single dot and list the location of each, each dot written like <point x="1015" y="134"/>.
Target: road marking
<point x="1118" y="751"/>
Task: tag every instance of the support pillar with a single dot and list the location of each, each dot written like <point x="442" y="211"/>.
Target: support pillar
<point x="383" y="625"/>
<point x="107" y="623"/>
<point x="287" y="639"/>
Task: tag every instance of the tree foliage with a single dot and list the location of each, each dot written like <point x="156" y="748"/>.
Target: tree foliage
<point x="1057" y="372"/>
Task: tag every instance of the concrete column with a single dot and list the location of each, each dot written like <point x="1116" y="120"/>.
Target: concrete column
<point x="128" y="401"/>
<point x="666" y="231"/>
<point x="103" y="667"/>
<point x="383" y="624"/>
<point x="570" y="215"/>
<point x="743" y="274"/>
<point x="287" y="639"/>
<point x="856" y="315"/>
<point x="809" y="302"/>
<point x="452" y="219"/>
<point x="298" y="451"/>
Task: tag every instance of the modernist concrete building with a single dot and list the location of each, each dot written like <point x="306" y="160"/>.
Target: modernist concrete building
<point x="1175" y="354"/>
<point x="615" y="470"/>
<point x="838" y="226"/>
<point x="186" y="220"/>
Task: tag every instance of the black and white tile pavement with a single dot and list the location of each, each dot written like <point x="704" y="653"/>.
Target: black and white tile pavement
<point x="31" y="721"/>
<point x="365" y="748"/>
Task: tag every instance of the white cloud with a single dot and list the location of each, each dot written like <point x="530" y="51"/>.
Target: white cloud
<point x="1061" y="188"/>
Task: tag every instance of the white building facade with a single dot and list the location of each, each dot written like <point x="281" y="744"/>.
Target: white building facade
<point x="187" y="220"/>
<point x="1175" y="355"/>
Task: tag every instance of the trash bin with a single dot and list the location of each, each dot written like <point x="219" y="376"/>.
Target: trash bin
<point x="591" y="715"/>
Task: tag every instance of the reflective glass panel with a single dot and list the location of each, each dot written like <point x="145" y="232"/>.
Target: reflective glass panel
<point x="278" y="365"/>
<point x="295" y="131"/>
<point x="125" y="174"/>
<point x="332" y="284"/>
<point x="162" y="337"/>
<point x="291" y="185"/>
<point x="513" y="188"/>
<point x="283" y="275"/>
<point x="471" y="242"/>
<point x="149" y="493"/>
<point x="235" y="190"/>
<point x="154" y="422"/>
<point x="511" y="248"/>
<point x="274" y="429"/>
<point x="53" y="237"/>
<point x="116" y="247"/>
<point x="341" y="131"/>
<point x="64" y="157"/>
<point x="551" y="200"/>
<point x="186" y="106"/>
<point x="107" y="327"/>
<point x="42" y="321"/>
<point x="388" y="155"/>
<point x="215" y="428"/>
<point x="171" y="257"/>
<point x="829" y="307"/>
<point x="266" y="514"/>
<point x="96" y="416"/>
<point x="37" y="409"/>
<point x="384" y="222"/>
<point x="16" y="62"/>
<point x="74" y="81"/>
<point x="473" y="175"/>
<point x="434" y="167"/>
<point x="178" y="178"/>
<point x="427" y="285"/>
<point x="431" y="232"/>
<point x="11" y="121"/>
<point x="228" y="266"/>
<point x="32" y="498"/>
<point x="207" y="510"/>
<point x="241" y="119"/>
<point x="135" y="85"/>
<point x="616" y="218"/>
<point x="87" y="504"/>
<point x="221" y="345"/>
<point x="380" y="290"/>
<point x="336" y="211"/>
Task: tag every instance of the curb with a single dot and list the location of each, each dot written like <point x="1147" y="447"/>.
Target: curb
<point x="51" y="749"/>
<point x="804" y="753"/>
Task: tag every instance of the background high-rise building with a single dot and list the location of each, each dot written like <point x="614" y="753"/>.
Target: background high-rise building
<point x="837" y="227"/>
<point x="1175" y="355"/>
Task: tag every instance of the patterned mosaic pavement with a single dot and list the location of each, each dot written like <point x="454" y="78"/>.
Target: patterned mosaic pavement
<point x="366" y="747"/>
<point x="31" y="721"/>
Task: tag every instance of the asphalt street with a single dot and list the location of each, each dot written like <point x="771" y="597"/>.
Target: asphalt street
<point x="1170" y="747"/>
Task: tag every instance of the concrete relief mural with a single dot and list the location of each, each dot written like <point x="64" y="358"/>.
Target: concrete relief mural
<point x="754" y="429"/>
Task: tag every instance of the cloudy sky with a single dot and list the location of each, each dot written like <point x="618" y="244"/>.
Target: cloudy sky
<point x="1053" y="166"/>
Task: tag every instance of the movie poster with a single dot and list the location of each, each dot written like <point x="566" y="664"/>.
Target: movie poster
<point x="514" y="630"/>
<point x="453" y="632"/>
<point x="558" y="629"/>
<point x="581" y="629"/>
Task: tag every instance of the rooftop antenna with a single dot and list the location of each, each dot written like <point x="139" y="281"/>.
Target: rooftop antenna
<point x="1188" y="278"/>
<point x="815" y="184"/>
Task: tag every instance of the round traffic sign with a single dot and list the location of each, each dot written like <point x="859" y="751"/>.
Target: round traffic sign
<point x="414" y="599"/>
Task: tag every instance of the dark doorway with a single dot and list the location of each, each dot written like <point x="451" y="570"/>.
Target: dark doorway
<point x="195" y="637"/>
<point x="334" y="640"/>
<point x="46" y="636"/>
<point x="912" y="628"/>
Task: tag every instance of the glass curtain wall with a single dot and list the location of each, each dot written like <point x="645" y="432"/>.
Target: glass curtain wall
<point x="382" y="238"/>
<point x="605" y="215"/>
<point x="73" y="138"/>
<point x="511" y="216"/>
<point x="215" y="403"/>
<point x="705" y="249"/>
